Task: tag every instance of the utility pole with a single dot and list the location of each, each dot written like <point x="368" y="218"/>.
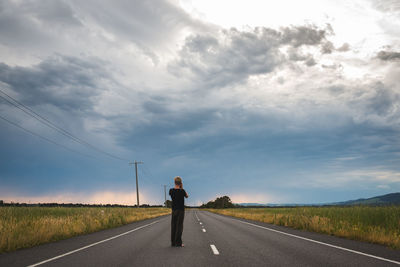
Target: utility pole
<point x="137" y="184"/>
<point x="165" y="195"/>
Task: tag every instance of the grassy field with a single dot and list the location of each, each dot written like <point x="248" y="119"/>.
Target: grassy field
<point x="22" y="227"/>
<point x="379" y="225"/>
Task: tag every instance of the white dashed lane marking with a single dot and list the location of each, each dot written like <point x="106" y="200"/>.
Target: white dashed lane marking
<point x="197" y="216"/>
<point x="214" y="249"/>
<point x="321" y="243"/>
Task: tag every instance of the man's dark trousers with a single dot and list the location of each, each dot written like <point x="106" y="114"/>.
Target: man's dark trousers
<point x="177" y="227"/>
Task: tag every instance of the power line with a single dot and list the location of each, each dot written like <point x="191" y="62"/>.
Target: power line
<point x="146" y="176"/>
<point x="44" y="138"/>
<point x="48" y="123"/>
<point x="148" y="172"/>
<point x="33" y="114"/>
<point x="51" y="125"/>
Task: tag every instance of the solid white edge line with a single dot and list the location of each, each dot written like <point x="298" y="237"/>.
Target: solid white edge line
<point x="322" y="243"/>
<point x="214" y="249"/>
<point x="91" y="245"/>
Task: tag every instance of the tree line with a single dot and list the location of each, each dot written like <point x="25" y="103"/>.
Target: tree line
<point x="17" y="204"/>
<point x="219" y="203"/>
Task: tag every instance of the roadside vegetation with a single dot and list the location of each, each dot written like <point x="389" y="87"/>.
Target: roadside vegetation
<point x="23" y="227"/>
<point x="379" y="224"/>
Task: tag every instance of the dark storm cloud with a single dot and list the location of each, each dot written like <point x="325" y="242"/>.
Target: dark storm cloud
<point x="303" y="35"/>
<point x="327" y="48"/>
<point x="272" y="137"/>
<point x="310" y="62"/>
<point x="388" y="55"/>
<point x="261" y="139"/>
<point x="381" y="101"/>
<point x="156" y="105"/>
<point x="217" y="127"/>
<point x="344" y="48"/>
<point x="46" y="27"/>
<point x="228" y="60"/>
<point x="232" y="56"/>
<point x="29" y="23"/>
<point x="295" y="55"/>
<point x="52" y="12"/>
<point x="148" y="23"/>
<point x="376" y="106"/>
<point x="65" y="82"/>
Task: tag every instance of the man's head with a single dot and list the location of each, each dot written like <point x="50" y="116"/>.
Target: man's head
<point x="178" y="180"/>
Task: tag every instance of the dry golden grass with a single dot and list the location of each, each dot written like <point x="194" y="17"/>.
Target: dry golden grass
<point x="22" y="227"/>
<point x="379" y="225"/>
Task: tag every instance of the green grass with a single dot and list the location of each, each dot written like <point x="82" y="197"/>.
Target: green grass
<point x="379" y="225"/>
<point x="23" y="227"/>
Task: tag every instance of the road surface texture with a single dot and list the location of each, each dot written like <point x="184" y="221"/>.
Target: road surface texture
<point x="210" y="240"/>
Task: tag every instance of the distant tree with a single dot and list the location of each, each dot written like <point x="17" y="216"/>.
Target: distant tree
<point x="168" y="203"/>
<point x="1" y="202"/>
<point x="219" y="203"/>
<point x="209" y="205"/>
<point x="223" y="203"/>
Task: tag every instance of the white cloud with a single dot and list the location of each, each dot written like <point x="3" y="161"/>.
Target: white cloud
<point x="257" y="197"/>
<point x="380" y="176"/>
<point x="355" y="179"/>
<point x="354" y="22"/>
<point x="383" y="186"/>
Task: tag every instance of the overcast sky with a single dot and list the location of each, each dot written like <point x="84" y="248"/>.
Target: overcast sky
<point x="264" y="101"/>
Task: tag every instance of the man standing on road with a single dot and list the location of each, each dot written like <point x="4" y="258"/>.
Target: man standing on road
<point x="178" y="195"/>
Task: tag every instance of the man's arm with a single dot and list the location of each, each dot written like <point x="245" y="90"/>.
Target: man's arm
<point x="186" y="194"/>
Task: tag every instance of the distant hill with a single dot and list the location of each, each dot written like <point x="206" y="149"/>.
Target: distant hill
<point x="389" y="199"/>
<point x="260" y="205"/>
<point x="251" y="204"/>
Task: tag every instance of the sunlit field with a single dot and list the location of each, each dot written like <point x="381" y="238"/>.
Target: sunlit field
<point x="379" y="225"/>
<point x="22" y="227"/>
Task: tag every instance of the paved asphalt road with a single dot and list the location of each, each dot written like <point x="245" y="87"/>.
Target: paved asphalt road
<point x="225" y="241"/>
